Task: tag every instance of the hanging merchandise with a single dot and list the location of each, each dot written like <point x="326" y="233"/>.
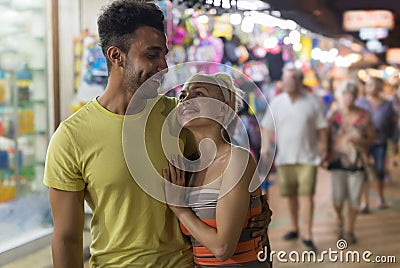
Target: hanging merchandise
<point x="259" y="52"/>
<point x="222" y="27"/>
<point x="310" y="79"/>
<point x="256" y="70"/>
<point x="179" y="35"/>
<point x="78" y="52"/>
<point x="243" y="54"/>
<point x="93" y="70"/>
<point x="275" y="64"/>
<point x="306" y="48"/>
<point x="230" y="46"/>
<point x="166" y="7"/>
<point x="191" y="32"/>
<point x="177" y="54"/>
<point x="209" y="49"/>
<point x="288" y="54"/>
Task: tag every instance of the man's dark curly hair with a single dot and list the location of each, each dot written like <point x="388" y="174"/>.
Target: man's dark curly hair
<point x="118" y="22"/>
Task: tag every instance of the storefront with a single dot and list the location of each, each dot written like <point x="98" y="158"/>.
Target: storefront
<point x="26" y="121"/>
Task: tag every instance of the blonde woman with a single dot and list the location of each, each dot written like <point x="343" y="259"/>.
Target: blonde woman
<point x="218" y="197"/>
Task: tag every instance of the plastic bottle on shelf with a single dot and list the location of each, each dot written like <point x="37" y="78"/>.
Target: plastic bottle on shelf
<point x="30" y="126"/>
<point x="3" y="87"/>
<point x="11" y="158"/>
<point x="4" y="160"/>
<point x="8" y="188"/>
<point x="9" y="127"/>
<point x="24" y="80"/>
<point x="21" y="122"/>
<point x="1" y="128"/>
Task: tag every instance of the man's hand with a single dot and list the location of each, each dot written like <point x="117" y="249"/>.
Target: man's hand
<point x="262" y="221"/>
<point x="174" y="196"/>
<point x="395" y="149"/>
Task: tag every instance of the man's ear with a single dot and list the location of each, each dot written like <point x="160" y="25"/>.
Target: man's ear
<point x="116" y="56"/>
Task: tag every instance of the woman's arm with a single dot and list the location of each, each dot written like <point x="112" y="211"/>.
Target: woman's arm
<point x="231" y="208"/>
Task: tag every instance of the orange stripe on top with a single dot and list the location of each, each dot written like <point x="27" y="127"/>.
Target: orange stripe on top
<point x="248" y="256"/>
<point x="242" y="247"/>
<point x="213" y="223"/>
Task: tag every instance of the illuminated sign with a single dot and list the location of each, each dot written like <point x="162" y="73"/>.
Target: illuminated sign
<point x="373" y="33"/>
<point x="393" y="55"/>
<point x="358" y="19"/>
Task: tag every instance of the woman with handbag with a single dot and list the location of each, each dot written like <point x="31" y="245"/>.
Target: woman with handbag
<point x="350" y="134"/>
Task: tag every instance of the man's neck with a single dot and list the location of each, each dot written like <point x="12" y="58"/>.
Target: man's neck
<point x="294" y="95"/>
<point x="116" y="99"/>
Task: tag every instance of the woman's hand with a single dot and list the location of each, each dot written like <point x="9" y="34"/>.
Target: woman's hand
<point x="174" y="196"/>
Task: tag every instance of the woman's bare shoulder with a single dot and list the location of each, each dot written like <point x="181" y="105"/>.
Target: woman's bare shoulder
<point x="241" y="154"/>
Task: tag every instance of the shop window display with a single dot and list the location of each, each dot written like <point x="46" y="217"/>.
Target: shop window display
<point x="24" y="206"/>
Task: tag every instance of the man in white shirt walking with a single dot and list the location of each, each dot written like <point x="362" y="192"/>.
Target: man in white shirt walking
<point x="301" y="142"/>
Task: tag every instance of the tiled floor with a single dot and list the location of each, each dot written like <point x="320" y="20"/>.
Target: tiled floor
<point x="378" y="232"/>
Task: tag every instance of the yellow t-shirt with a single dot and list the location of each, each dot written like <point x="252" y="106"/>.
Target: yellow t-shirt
<point x="129" y="228"/>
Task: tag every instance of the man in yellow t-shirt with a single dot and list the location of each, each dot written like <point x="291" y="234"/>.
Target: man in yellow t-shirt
<point x="86" y="161"/>
<point x="128" y="226"/>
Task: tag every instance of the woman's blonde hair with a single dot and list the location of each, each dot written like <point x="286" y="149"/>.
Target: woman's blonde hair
<point x="233" y="95"/>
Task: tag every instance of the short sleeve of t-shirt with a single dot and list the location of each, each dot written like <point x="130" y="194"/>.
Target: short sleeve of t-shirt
<point x="62" y="169"/>
<point x="268" y="121"/>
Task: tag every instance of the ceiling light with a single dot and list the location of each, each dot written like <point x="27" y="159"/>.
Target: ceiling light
<point x="203" y="19"/>
<point x="252" y="5"/>
<point x="297" y="47"/>
<point x="247" y="24"/>
<point x="235" y="19"/>
<point x="290" y="24"/>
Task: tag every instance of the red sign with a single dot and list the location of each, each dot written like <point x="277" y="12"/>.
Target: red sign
<point x="358" y="19"/>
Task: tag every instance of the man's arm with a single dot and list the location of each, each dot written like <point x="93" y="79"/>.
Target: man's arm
<point x="267" y="153"/>
<point x="322" y="135"/>
<point x="265" y="141"/>
<point x="68" y="217"/>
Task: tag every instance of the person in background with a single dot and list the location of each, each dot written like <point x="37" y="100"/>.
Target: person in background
<point x="220" y="203"/>
<point x="350" y="133"/>
<point x="384" y="119"/>
<point x="85" y="158"/>
<point x="301" y="145"/>
<point x="328" y="94"/>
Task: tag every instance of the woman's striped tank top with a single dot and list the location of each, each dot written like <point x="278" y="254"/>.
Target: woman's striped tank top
<point x="203" y="202"/>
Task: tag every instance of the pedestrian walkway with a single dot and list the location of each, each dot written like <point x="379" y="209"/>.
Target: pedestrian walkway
<point x="378" y="232"/>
